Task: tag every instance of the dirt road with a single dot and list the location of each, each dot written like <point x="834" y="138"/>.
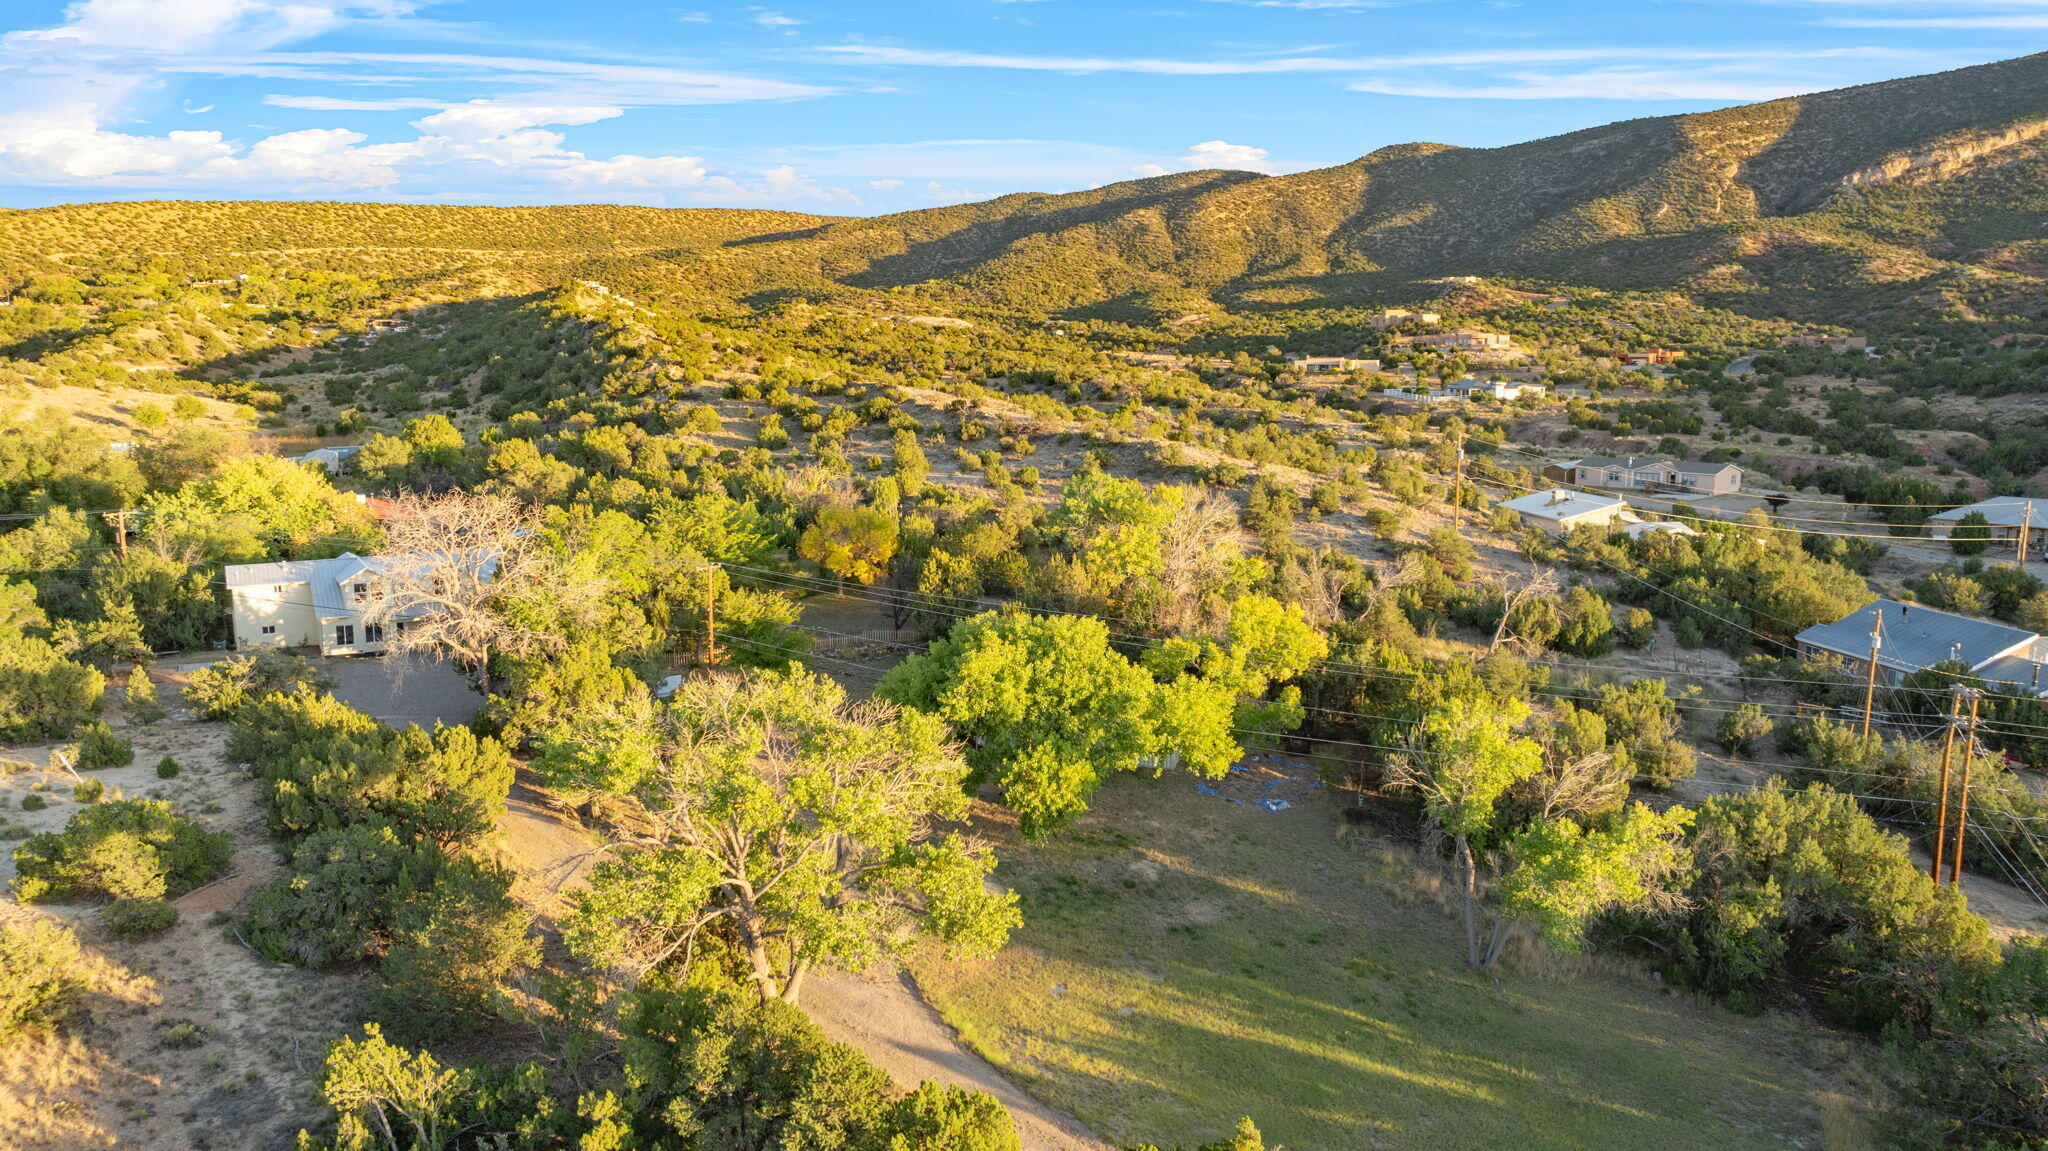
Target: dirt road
<point x="882" y="1014"/>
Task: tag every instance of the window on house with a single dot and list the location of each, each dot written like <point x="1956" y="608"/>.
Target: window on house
<point x="1613" y="477"/>
<point x="345" y="635"/>
<point x="270" y="629"/>
<point x="361" y="590"/>
<point x="373" y="633"/>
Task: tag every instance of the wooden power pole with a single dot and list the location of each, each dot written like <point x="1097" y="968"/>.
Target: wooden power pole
<point x="1955" y="868"/>
<point x="1948" y="743"/>
<point x="1870" y="680"/>
<point x="710" y="614"/>
<point x="1458" y="487"/>
<point x="2026" y="523"/>
<point x="119" y="521"/>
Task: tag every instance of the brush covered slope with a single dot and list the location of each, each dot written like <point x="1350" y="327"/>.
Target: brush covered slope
<point x="1833" y="206"/>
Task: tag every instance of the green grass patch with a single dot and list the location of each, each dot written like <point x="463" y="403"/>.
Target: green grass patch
<point x="1185" y="961"/>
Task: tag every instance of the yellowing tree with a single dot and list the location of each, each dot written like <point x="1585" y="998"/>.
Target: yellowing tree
<point x="850" y="542"/>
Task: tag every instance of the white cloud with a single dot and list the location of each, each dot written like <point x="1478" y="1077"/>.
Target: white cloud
<point x="1144" y="170"/>
<point x="485" y="119"/>
<point x="340" y="104"/>
<point x="1257" y="66"/>
<point x="776" y="20"/>
<point x="2007" y="22"/>
<point x="1621" y="83"/>
<point x="1217" y="154"/>
<point x="66" y="91"/>
<point x="885" y="184"/>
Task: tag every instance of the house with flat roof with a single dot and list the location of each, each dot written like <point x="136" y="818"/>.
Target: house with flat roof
<point x="1308" y="363"/>
<point x="1395" y="317"/>
<point x="1836" y="344"/>
<point x="1654" y="473"/>
<point x="2006" y="515"/>
<point x="1659" y="527"/>
<point x="1559" y="510"/>
<point x="314" y="603"/>
<point x="1915" y="638"/>
<point x="1492" y="389"/>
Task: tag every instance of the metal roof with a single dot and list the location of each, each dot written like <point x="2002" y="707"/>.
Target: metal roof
<point x="1561" y="504"/>
<point x="2001" y="511"/>
<point x="1917" y="637"/>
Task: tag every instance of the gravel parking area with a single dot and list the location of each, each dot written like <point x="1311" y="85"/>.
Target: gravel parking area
<point x="403" y="691"/>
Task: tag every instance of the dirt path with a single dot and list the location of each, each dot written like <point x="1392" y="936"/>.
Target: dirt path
<point x="882" y="1014"/>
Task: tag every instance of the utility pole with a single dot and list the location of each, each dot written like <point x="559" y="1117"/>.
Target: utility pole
<point x="119" y="520"/>
<point x="1458" y="486"/>
<point x="1870" y="680"/>
<point x="2026" y="522"/>
<point x="710" y="615"/>
<point x="1948" y="744"/>
<point x="1955" y="870"/>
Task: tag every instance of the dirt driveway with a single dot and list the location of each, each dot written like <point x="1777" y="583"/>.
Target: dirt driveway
<point x="402" y="691"/>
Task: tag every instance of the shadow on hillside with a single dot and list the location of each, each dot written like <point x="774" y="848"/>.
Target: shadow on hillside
<point x="977" y="232"/>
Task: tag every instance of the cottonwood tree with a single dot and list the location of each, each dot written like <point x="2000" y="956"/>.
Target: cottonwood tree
<point x="768" y="806"/>
<point x="850" y="542"/>
<point x="466" y="576"/>
<point x="1049" y="710"/>
<point x="1465" y="759"/>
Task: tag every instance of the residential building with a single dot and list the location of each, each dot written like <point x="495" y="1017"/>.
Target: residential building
<point x="334" y="459"/>
<point x="1654" y="473"/>
<point x="1464" y="340"/>
<point x="1651" y="356"/>
<point x="1914" y="638"/>
<point x="1559" y="510"/>
<point x="2008" y="516"/>
<point x="1836" y="344"/>
<point x="1663" y="527"/>
<point x="310" y="603"/>
<point x="1312" y="364"/>
<point x="1492" y="389"/>
<point x="1394" y="318"/>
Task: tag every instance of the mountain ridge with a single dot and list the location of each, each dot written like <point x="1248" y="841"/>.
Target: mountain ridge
<point x="1833" y="192"/>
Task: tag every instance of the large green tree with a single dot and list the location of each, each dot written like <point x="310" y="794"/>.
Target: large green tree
<point x="771" y="808"/>
<point x="1049" y="709"/>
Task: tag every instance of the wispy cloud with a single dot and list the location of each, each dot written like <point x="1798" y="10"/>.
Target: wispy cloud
<point x="2007" y="22"/>
<point x="1251" y="66"/>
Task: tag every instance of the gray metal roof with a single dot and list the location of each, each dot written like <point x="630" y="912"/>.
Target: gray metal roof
<point x="2002" y="511"/>
<point x="1561" y="503"/>
<point x="1700" y="467"/>
<point x="2016" y="671"/>
<point x="1917" y="637"/>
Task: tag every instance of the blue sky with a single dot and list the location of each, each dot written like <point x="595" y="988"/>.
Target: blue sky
<point x="864" y="106"/>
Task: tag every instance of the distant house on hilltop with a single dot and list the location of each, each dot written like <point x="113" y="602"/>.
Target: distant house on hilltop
<point x="1492" y="389"/>
<point x="1915" y="638"/>
<point x="1394" y="318"/>
<point x="1311" y="364"/>
<point x="1465" y="340"/>
<point x="1653" y="473"/>
<point x="1836" y="344"/>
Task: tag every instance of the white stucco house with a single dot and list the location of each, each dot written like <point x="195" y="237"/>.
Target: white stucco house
<point x="335" y="459"/>
<point x="312" y="603"/>
<point x="1559" y="510"/>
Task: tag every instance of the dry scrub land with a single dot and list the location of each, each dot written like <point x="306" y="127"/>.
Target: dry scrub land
<point x="1185" y="960"/>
